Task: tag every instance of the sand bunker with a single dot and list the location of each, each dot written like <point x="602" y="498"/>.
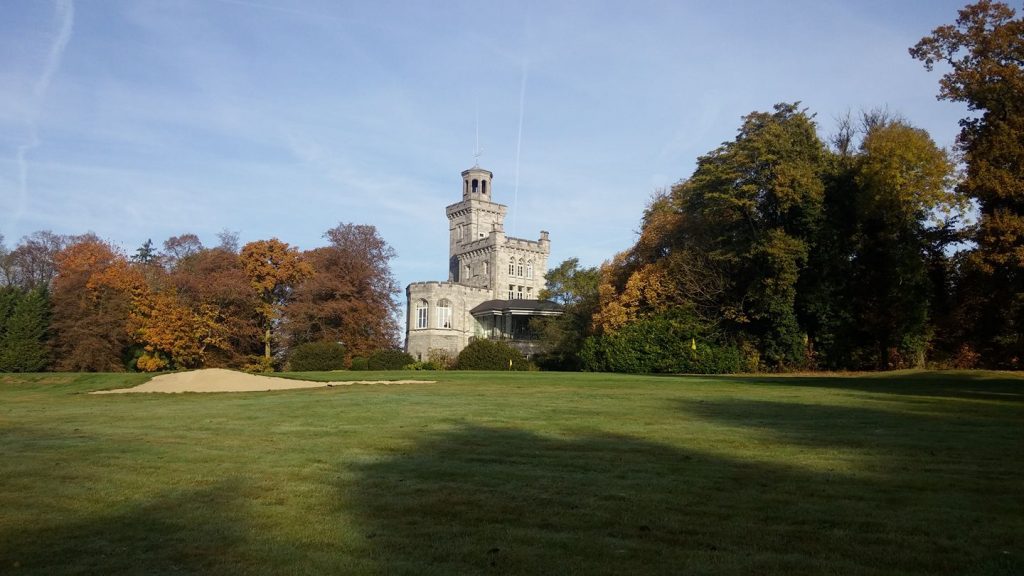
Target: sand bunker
<point x="220" y="380"/>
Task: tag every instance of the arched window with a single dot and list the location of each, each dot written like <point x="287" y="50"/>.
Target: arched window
<point x="476" y="185"/>
<point x="511" y="266"/>
<point x="487" y="268"/>
<point x="519" y="268"/>
<point x="529" y="268"/>
<point x="421" y="313"/>
<point x="483" y="188"/>
<point x="462" y="231"/>
<point x="469" y="271"/>
<point x="444" y="314"/>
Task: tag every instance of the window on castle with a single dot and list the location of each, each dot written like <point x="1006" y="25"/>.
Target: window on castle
<point x="469" y="271"/>
<point x="487" y="268"/>
<point x="519" y="268"/>
<point x="519" y="295"/>
<point x="529" y="293"/>
<point x="421" y="313"/>
<point x="511" y="266"/>
<point x="444" y="314"/>
<point x="529" y="269"/>
<point x="476" y="185"/>
<point x="462" y="231"/>
<point x="484" y="187"/>
<point x="511" y="291"/>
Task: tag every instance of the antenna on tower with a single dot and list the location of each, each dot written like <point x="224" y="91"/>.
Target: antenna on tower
<point x="476" y="149"/>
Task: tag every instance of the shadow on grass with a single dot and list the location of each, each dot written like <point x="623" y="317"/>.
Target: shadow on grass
<point x="987" y="438"/>
<point x="486" y="500"/>
<point x="180" y="532"/>
<point x="966" y="384"/>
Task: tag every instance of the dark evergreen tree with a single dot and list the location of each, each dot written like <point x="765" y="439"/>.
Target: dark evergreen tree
<point x="23" y="346"/>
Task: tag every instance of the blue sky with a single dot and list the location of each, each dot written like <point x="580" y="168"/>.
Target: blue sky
<point x="148" y="119"/>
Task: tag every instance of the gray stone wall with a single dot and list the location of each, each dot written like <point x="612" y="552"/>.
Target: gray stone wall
<point x="455" y="336"/>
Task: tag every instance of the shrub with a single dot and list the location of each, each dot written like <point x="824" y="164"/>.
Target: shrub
<point x="658" y="345"/>
<point x="258" y="364"/>
<point x="491" y="355"/>
<point x="441" y="359"/>
<point x="389" y="360"/>
<point x="359" y="363"/>
<point x="151" y="362"/>
<point x="317" y="356"/>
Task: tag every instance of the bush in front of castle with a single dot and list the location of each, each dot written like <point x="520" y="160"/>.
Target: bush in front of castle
<point x="491" y="355"/>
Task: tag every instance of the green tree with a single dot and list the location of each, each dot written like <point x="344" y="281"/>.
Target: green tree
<point x="752" y="206"/>
<point x="23" y="346"/>
<point x="145" y="254"/>
<point x="868" y="297"/>
<point x="575" y="288"/>
<point x="985" y="52"/>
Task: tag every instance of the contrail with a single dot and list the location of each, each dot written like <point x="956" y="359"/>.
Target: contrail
<point x="519" y="142"/>
<point x="66" y="14"/>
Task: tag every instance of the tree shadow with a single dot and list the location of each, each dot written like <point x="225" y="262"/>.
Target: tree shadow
<point x="480" y="500"/>
<point x="966" y="384"/>
<point x="988" y="439"/>
<point x="180" y="532"/>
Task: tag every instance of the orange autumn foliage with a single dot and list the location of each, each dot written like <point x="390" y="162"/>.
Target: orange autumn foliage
<point x="167" y="327"/>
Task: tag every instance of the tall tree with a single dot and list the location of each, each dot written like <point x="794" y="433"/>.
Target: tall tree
<point x="23" y="346"/>
<point x="273" y="269"/>
<point x="178" y="248"/>
<point x="214" y="278"/>
<point x="985" y="53"/>
<point x="145" y="254"/>
<point x="32" y="263"/>
<point x="575" y="288"/>
<point x="351" y="296"/>
<point x="753" y="206"/>
<point x="92" y="298"/>
<point x="903" y="183"/>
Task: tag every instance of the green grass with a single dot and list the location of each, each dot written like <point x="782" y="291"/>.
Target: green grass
<point x="517" y="473"/>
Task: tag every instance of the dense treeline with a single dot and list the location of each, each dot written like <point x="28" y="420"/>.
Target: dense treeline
<point x="782" y="251"/>
<point x="78" y="303"/>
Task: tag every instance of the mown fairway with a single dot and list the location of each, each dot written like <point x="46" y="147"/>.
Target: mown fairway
<point x="517" y="473"/>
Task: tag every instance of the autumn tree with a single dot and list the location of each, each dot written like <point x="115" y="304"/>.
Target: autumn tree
<point x="172" y="334"/>
<point x="92" y="298"/>
<point x="32" y="263"/>
<point x="273" y="269"/>
<point x="215" y="279"/>
<point x="178" y="248"/>
<point x="984" y="50"/>
<point x="351" y="295"/>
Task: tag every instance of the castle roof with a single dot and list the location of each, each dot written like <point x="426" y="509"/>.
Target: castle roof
<point x="517" y="308"/>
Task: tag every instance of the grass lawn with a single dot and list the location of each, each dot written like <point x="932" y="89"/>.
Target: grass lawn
<point x="517" y="473"/>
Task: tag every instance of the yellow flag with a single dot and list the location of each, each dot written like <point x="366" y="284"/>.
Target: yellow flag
<point x="693" y="343"/>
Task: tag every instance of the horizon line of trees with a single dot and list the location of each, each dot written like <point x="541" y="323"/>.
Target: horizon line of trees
<point x="786" y="252"/>
<point x="77" y="303"/>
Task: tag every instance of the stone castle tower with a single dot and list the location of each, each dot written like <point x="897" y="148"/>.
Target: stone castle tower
<point x="493" y="279"/>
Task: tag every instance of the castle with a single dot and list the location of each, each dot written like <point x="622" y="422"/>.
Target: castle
<point x="493" y="280"/>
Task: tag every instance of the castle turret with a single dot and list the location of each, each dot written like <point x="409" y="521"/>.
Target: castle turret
<point x="476" y="184"/>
